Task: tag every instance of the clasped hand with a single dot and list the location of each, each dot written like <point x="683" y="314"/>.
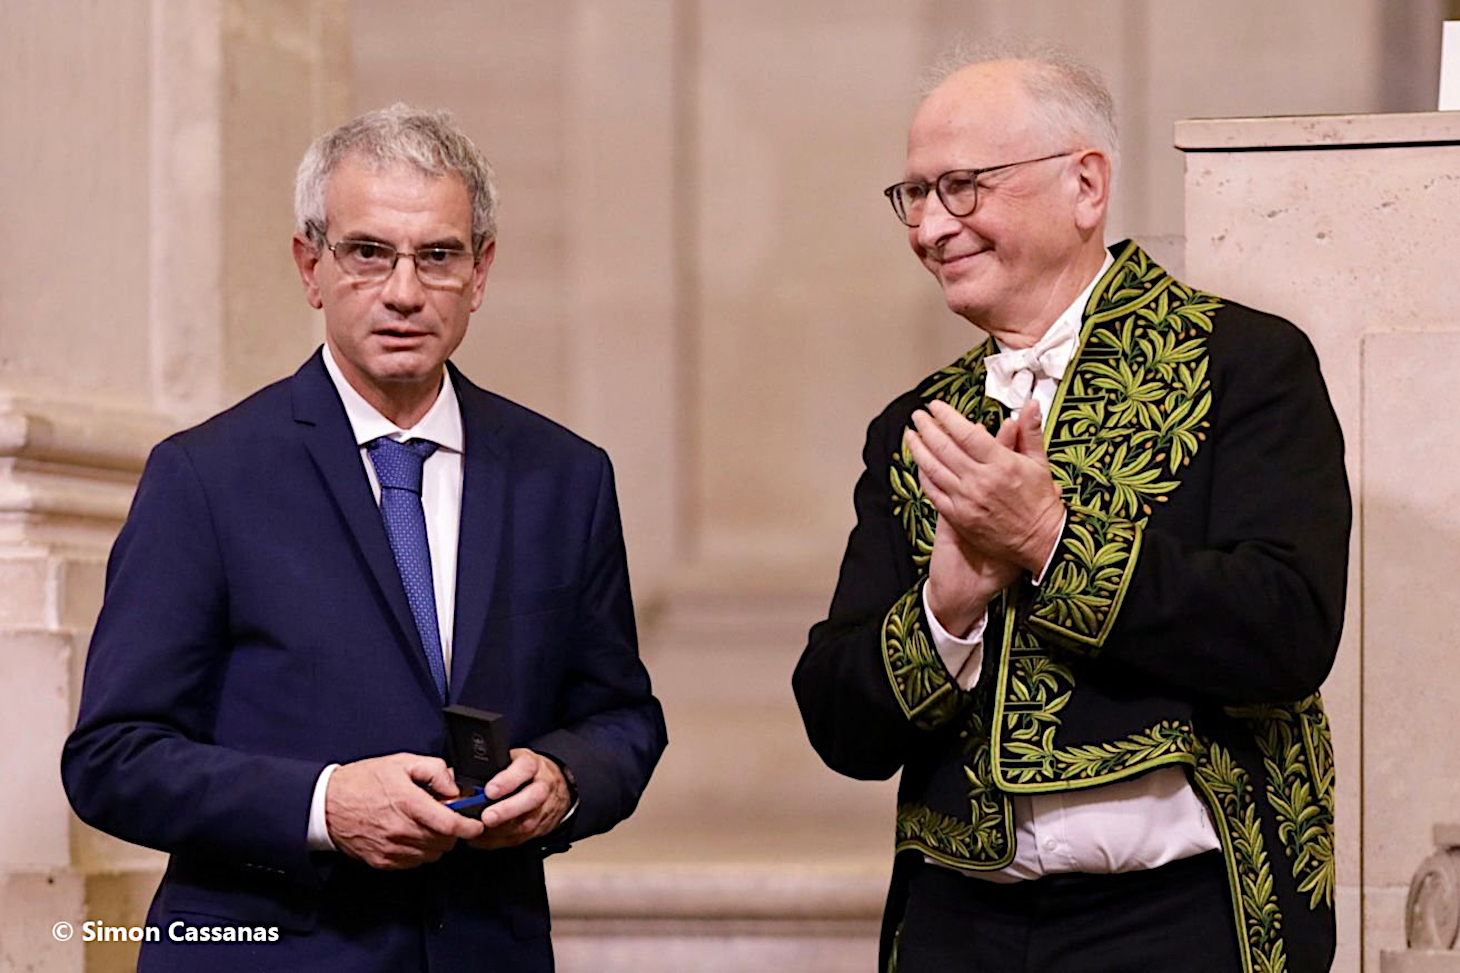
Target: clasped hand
<point x="999" y="510"/>
<point x="377" y="810"/>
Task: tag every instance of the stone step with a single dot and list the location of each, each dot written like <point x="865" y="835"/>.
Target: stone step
<point x="715" y="916"/>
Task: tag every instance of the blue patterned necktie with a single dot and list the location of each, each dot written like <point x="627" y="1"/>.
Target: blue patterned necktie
<point x="398" y="467"/>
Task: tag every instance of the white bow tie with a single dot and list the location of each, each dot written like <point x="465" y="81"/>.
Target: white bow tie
<point x="1013" y="374"/>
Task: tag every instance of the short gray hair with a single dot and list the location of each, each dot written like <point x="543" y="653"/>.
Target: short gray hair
<point x="430" y="141"/>
<point x="1070" y="94"/>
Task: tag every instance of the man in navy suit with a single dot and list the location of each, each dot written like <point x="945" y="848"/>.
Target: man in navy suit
<point x="307" y="579"/>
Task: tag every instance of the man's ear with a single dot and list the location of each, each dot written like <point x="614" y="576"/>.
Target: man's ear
<point x="479" y="273"/>
<point x="306" y="258"/>
<point x="1092" y="193"/>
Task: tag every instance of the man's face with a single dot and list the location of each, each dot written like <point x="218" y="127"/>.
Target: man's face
<point x="390" y="337"/>
<point x="1002" y="265"/>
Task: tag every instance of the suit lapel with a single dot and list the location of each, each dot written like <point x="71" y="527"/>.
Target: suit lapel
<point x="327" y="435"/>
<point x="483" y="514"/>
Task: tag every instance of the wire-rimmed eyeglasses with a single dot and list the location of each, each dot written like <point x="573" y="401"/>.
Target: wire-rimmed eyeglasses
<point x="372" y="261"/>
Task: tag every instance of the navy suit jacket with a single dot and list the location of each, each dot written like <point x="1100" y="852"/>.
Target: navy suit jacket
<point x="255" y="629"/>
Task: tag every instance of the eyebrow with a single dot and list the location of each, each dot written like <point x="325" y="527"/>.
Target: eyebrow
<point x="443" y="243"/>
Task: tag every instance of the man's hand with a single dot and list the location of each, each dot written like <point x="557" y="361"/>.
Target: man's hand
<point x="377" y="811"/>
<point x="961" y="580"/>
<point x="996" y="492"/>
<point x="529" y="813"/>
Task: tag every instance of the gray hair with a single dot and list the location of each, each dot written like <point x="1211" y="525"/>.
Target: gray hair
<point x="430" y="141"/>
<point x="1070" y="94"/>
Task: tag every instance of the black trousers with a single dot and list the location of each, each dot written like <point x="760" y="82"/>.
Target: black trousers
<point x="1177" y="917"/>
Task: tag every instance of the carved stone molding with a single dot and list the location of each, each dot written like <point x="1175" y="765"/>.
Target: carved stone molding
<point x="715" y="917"/>
<point x="68" y="470"/>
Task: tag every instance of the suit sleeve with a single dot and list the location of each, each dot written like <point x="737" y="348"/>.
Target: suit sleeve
<point x="1249" y="610"/>
<point x="141" y="763"/>
<point x="870" y="681"/>
<point x="612" y="728"/>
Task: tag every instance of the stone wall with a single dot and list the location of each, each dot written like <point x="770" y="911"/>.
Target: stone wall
<point x="697" y="270"/>
<point x="144" y="187"/>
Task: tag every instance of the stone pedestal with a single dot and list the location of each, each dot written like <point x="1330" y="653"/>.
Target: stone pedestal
<point x="1432" y="912"/>
<point x="1346" y="225"/>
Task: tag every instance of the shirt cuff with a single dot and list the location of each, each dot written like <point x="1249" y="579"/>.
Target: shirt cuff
<point x="1039" y="578"/>
<point x="962" y="656"/>
<point x="319" y="832"/>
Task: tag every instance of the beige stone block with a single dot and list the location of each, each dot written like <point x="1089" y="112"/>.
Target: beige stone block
<point x="78" y="591"/>
<point x="619" y="155"/>
<point x="32" y="907"/>
<point x="275" y="54"/>
<point x="1340" y="238"/>
<point x="716" y="917"/>
<point x="117" y="899"/>
<point x="34" y="827"/>
<point x="187" y="172"/>
<point x="1411" y="553"/>
<point x="728" y="892"/>
<point x="76" y="667"/>
<point x="1342" y="699"/>
<point x="1383" y="922"/>
<point x="810" y="312"/>
<point x="25" y="582"/>
<point x="667" y="949"/>
<point x="1276" y="78"/>
<point x="1420" y="961"/>
<point x="1348" y="913"/>
<point x="75" y="92"/>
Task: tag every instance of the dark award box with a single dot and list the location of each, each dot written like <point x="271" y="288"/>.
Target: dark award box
<point x="476" y="748"/>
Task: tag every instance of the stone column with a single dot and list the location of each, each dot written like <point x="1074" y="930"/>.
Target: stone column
<point x="1346" y="224"/>
<point x="146" y="189"/>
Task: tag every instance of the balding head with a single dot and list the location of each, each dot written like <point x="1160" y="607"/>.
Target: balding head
<point x="1012" y="219"/>
<point x="1068" y="97"/>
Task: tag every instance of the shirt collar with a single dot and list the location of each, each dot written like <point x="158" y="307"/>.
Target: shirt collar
<point x="1075" y="313"/>
<point x="441" y="424"/>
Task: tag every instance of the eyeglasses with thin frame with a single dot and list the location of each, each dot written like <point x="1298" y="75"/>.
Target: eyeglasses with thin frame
<point x="372" y="261"/>
<point x="957" y="190"/>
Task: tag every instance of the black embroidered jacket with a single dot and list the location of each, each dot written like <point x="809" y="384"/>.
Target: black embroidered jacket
<point x="1192" y="609"/>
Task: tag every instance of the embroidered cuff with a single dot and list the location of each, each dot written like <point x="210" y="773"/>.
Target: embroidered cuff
<point x="1081" y="594"/>
<point x="919" y="680"/>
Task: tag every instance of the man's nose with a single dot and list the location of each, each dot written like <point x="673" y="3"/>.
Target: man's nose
<point x="402" y="291"/>
<point x="937" y="223"/>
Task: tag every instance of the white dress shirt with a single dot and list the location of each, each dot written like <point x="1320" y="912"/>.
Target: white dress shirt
<point x="440" y="496"/>
<point x="1129" y="825"/>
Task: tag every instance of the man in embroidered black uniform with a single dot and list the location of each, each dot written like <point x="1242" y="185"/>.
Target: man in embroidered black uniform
<point x="1096" y="580"/>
